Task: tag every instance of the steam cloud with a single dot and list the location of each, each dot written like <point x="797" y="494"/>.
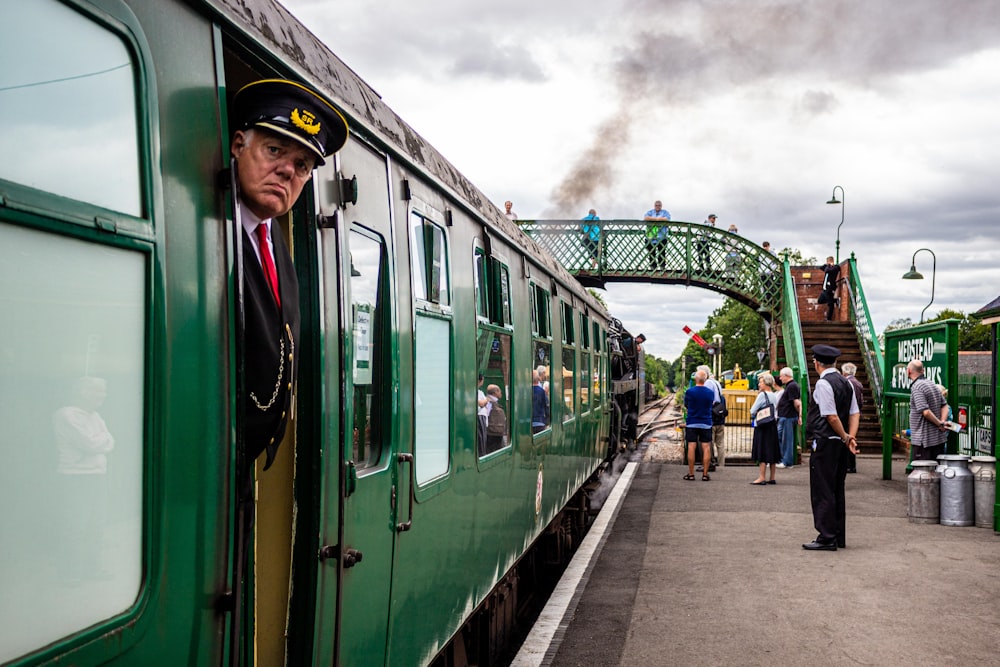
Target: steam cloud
<point x="695" y="50"/>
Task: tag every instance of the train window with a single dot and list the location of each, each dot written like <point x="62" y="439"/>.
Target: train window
<point x="493" y="352"/>
<point x="541" y="317"/>
<point x="368" y="355"/>
<point x="598" y="380"/>
<point x="432" y="396"/>
<point x="482" y="285"/>
<point x="567" y="323"/>
<point x="541" y="405"/>
<point x="584" y="331"/>
<point x="69" y="117"/>
<point x="586" y="382"/>
<point x="600" y="363"/>
<point x="505" y="295"/>
<point x="568" y="375"/>
<point x="73" y="387"/>
<point x="429" y="257"/>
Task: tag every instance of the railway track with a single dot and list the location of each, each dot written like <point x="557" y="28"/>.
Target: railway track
<point x="657" y="421"/>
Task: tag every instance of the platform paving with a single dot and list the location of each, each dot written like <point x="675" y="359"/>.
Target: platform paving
<point x="713" y="573"/>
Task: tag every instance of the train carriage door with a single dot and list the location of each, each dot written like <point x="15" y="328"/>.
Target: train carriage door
<point x="358" y="531"/>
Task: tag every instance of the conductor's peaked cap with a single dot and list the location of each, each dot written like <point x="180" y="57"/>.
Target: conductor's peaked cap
<point x="825" y="354"/>
<point x="291" y="110"/>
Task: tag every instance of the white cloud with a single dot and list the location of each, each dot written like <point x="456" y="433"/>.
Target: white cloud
<point x="751" y="110"/>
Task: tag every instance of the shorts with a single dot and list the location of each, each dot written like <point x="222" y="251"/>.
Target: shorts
<point x="697" y="434"/>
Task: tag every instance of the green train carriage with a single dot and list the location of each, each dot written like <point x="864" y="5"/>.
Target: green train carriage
<point x="383" y="524"/>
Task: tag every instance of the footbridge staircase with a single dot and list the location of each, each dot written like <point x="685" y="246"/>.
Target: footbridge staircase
<point x="693" y="254"/>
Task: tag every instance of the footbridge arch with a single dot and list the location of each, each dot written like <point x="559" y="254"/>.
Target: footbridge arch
<point x="669" y="253"/>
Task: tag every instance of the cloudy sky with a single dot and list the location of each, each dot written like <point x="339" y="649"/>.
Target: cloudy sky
<point x="750" y="109"/>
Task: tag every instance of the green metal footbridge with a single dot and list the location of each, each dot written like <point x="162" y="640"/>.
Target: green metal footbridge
<point x="693" y="254"/>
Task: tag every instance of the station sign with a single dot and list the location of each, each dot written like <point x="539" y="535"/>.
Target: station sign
<point x="934" y="344"/>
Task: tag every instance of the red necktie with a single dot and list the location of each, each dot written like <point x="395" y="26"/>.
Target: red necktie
<point x="265" y="259"/>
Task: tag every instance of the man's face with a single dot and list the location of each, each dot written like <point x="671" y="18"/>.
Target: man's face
<point x="657" y="205"/>
<point x="272" y="171"/>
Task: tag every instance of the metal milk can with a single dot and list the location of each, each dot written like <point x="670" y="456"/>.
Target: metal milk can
<point x="984" y="477"/>
<point x="923" y="499"/>
<point x="957" y="500"/>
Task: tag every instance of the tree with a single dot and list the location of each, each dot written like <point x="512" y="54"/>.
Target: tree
<point x="795" y="257"/>
<point x="742" y="334"/>
<point x="972" y="334"/>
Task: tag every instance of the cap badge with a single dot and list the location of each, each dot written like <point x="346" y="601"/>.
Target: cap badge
<point x="306" y="122"/>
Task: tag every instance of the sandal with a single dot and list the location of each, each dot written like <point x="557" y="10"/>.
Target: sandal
<point x="706" y="478"/>
<point x="689" y="477"/>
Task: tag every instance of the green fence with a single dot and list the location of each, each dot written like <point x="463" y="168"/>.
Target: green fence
<point x="973" y="409"/>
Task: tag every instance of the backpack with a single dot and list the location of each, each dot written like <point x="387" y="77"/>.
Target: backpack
<point x="496" y="425"/>
<point x="719" y="411"/>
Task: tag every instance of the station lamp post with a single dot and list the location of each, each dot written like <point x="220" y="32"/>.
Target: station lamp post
<point x="717" y="361"/>
<point x="834" y="200"/>
<point x="913" y="274"/>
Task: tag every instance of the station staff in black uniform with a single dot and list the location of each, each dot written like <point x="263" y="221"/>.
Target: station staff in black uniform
<point x="831" y="405"/>
<point x="282" y="131"/>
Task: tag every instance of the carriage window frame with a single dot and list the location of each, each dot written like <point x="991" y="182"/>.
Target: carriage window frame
<point x="568" y="353"/>
<point x="430" y="261"/>
<point x="567" y="323"/>
<point x="119" y="22"/>
<point x="541" y="311"/>
<point x="130" y="622"/>
<point x="481" y="279"/>
<point x="378" y="340"/>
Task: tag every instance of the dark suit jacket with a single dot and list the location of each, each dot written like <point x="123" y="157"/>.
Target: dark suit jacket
<point x="271" y="336"/>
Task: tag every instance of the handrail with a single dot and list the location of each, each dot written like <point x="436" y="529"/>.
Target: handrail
<point x="871" y="350"/>
<point x="791" y="334"/>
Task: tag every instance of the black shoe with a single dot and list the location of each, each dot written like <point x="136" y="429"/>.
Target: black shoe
<point x="819" y="546"/>
<point x="852" y="470"/>
<point x="711" y="468"/>
<point x="841" y="545"/>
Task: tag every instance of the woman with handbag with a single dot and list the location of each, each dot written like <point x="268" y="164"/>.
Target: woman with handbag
<point x="766" y="449"/>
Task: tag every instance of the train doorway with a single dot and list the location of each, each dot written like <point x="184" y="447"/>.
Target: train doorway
<point x="362" y="491"/>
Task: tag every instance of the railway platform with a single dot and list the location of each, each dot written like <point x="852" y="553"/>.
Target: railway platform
<point x="675" y="572"/>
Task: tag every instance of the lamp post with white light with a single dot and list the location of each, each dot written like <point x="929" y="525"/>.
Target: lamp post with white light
<point x="834" y="200"/>
<point x="913" y="274"/>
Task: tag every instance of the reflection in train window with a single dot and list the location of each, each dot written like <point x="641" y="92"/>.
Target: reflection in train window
<point x="367" y="327"/>
<point x="493" y="354"/>
<point x="73" y="388"/>
<point x="568" y="375"/>
<point x="541" y="403"/>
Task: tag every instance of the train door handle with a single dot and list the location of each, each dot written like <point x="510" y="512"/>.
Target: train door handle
<point x="406" y="525"/>
<point x="349" y="558"/>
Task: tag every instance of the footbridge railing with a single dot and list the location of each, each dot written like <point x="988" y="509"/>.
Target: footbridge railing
<point x="867" y="337"/>
<point x="602" y="251"/>
<point x="791" y="337"/>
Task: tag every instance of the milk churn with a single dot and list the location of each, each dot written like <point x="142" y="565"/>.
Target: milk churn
<point x="984" y="477"/>
<point x="923" y="500"/>
<point x="957" y="500"/>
